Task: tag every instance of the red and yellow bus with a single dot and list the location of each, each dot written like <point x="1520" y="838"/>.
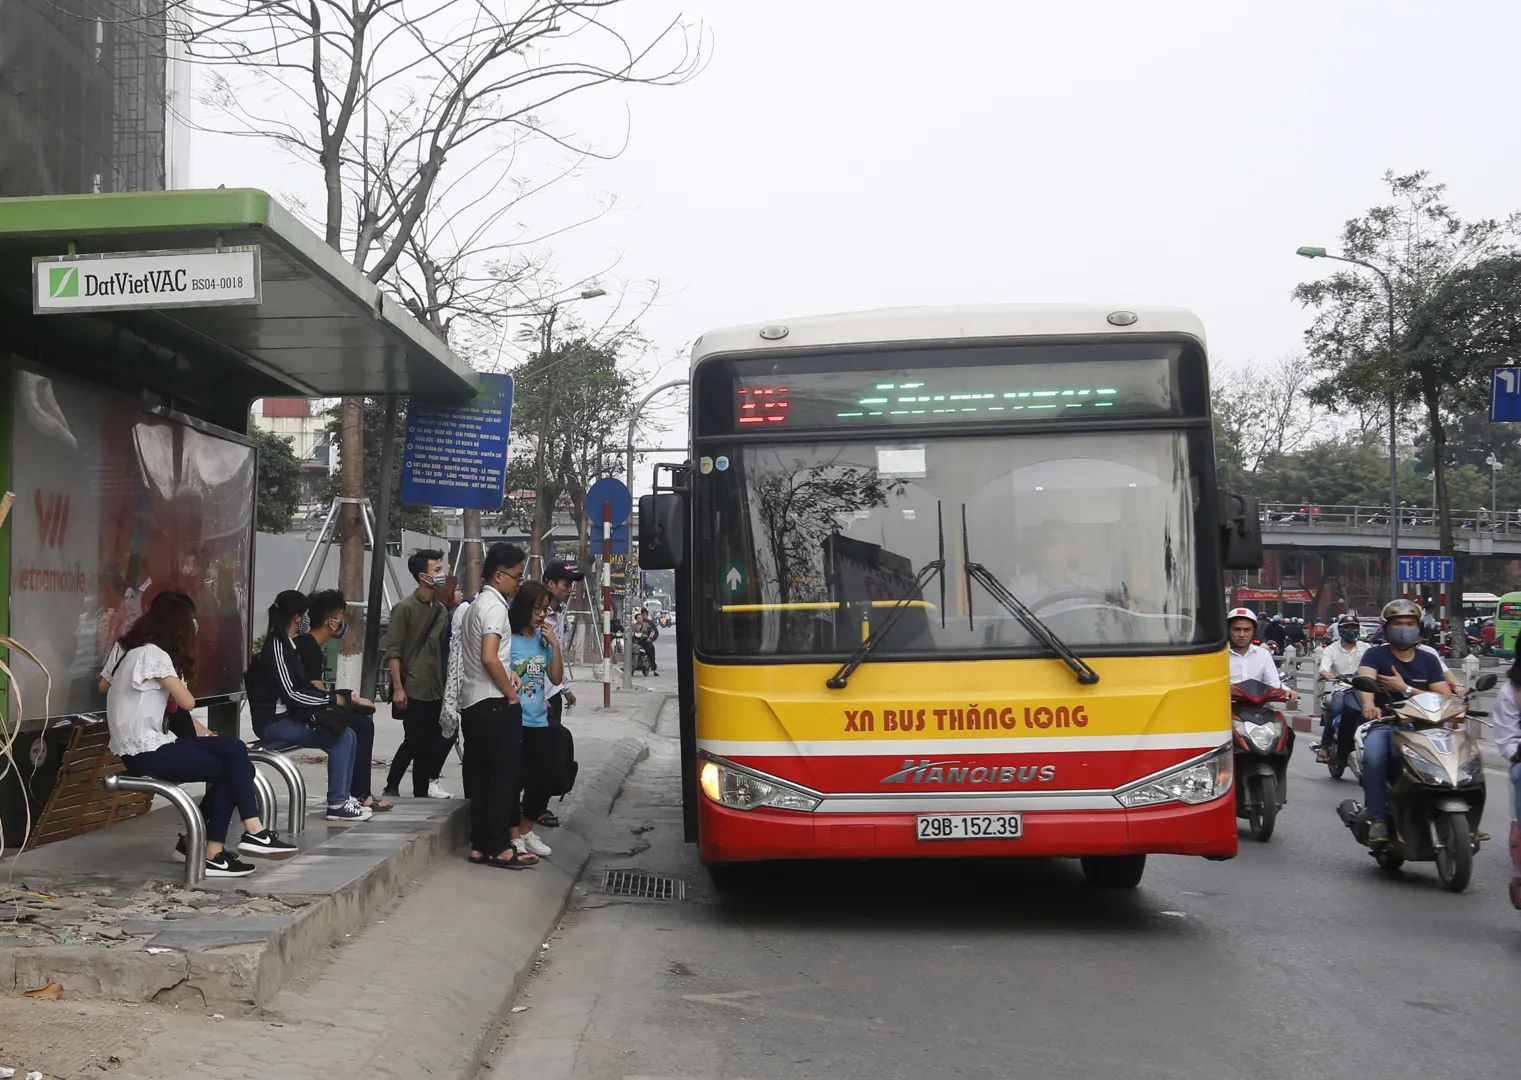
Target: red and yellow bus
<point x="949" y="584"/>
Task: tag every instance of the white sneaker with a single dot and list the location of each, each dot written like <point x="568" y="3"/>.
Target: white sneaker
<point x="532" y="842"/>
<point x="436" y="791"/>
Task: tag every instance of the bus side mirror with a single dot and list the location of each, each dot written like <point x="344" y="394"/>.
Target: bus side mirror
<point x="661" y="532"/>
<point x="1241" y="533"/>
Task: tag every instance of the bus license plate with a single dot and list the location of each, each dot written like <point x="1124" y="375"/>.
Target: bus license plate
<point x="969" y="827"/>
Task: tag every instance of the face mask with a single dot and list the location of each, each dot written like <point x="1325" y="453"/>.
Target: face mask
<point x="341" y="628"/>
<point x="436" y="581"/>
<point x="304" y="625"/>
<point x="1403" y="635"/>
<point x="1349" y="635"/>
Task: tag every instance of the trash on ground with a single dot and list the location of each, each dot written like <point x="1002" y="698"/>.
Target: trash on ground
<point x="50" y="992"/>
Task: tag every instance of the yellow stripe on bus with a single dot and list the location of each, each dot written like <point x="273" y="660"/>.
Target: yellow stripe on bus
<point x="972" y="699"/>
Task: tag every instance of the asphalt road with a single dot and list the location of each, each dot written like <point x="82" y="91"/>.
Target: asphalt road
<point x="1297" y="959"/>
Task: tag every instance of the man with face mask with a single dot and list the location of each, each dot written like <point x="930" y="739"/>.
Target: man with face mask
<point x="1342" y="657"/>
<point x="1400" y="667"/>
<point x="415" y="654"/>
<point x="324" y="617"/>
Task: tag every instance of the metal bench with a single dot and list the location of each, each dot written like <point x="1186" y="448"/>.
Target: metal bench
<point x="190" y="812"/>
<point x="272" y="753"/>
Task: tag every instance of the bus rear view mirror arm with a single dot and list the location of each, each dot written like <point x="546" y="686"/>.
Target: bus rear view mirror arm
<point x="1241" y="533"/>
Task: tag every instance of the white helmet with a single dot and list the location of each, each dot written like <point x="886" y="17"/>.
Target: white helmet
<point x="1240" y="613"/>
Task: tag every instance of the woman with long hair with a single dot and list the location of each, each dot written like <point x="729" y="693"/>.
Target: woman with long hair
<point x="289" y="707"/>
<point x="156" y="662"/>
<point x="537" y="663"/>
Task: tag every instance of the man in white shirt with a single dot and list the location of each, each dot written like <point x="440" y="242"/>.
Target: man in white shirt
<point x="1250" y="661"/>
<point x="1342" y="657"/>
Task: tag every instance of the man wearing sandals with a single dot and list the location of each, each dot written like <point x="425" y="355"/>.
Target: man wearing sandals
<point x="491" y="716"/>
<point x="559" y="580"/>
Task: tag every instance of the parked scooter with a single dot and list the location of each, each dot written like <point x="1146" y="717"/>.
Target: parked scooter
<point x="1438" y="800"/>
<point x="1263" y="742"/>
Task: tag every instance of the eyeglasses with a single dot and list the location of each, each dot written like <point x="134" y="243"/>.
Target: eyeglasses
<point x="515" y="577"/>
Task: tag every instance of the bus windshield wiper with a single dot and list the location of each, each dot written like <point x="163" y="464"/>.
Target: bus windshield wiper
<point x="840" y="678"/>
<point x="1031" y="622"/>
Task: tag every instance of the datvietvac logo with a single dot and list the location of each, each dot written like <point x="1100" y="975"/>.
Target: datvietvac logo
<point x="63" y="282"/>
<point x="52" y="518"/>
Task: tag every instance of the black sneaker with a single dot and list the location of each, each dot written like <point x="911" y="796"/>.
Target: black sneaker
<point x="179" y="848"/>
<point x="267" y="842"/>
<point x="226" y="864"/>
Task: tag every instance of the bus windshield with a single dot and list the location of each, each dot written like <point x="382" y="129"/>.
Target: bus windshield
<point x="804" y="543"/>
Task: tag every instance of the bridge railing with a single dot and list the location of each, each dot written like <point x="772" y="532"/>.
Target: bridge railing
<point x="1373" y="519"/>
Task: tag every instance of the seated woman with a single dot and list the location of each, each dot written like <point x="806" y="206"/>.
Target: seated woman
<point x="157" y="659"/>
<point x="325" y="614"/>
<point x="289" y="707"/>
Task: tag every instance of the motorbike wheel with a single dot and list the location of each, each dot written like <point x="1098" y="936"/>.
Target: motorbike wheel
<point x="1335" y="768"/>
<point x="1454" y="856"/>
<point x="1114" y="871"/>
<point x="1262" y="809"/>
<point x="1387" y="862"/>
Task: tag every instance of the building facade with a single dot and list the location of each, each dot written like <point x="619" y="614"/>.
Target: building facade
<point x="86" y="96"/>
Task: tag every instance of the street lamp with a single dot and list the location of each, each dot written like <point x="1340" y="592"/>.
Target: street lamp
<point x="1494" y="464"/>
<point x="1394" y="463"/>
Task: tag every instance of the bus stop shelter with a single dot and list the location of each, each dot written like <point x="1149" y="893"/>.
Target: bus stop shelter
<point x="124" y="423"/>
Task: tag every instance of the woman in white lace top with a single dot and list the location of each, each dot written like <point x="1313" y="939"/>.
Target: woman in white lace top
<point x="151" y="666"/>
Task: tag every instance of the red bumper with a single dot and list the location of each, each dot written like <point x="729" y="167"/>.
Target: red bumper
<point x="727" y="835"/>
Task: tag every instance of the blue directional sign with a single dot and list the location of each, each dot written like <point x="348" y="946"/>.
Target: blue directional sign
<point x="1431" y="568"/>
<point x="612" y="493"/>
<point x="456" y="455"/>
<point x="1505" y="395"/>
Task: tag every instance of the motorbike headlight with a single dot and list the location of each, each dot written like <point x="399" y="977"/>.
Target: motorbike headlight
<point x="1263" y="736"/>
<point x="1192" y="783"/>
<point x="1472" y="769"/>
<point x="1424" y="767"/>
<point x="747" y="791"/>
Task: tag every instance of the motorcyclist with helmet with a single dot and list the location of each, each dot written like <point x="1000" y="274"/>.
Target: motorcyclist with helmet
<point x="1340" y="658"/>
<point x="1250" y="661"/>
<point x="1400" y="667"/>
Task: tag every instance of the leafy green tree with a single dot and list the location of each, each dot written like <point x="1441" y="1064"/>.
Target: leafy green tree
<point x="279" y="481"/>
<point x="1428" y="255"/>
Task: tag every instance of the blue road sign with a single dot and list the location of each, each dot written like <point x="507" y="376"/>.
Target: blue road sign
<point x="1432" y="568"/>
<point x="608" y="490"/>
<point x="456" y="455"/>
<point x="1505" y="395"/>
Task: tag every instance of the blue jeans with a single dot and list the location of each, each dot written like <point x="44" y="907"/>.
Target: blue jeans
<point x="219" y="762"/>
<point x="1380" y="769"/>
<point x="340" y="751"/>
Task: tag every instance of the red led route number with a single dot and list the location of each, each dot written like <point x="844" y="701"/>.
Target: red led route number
<point x="763" y="405"/>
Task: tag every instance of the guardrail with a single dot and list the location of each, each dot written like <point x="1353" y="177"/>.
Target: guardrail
<point x="1373" y="519"/>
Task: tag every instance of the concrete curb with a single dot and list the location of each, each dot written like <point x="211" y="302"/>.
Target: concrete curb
<point x="534" y="924"/>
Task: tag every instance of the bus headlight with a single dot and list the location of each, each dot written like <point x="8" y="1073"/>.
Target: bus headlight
<point x="746" y="791"/>
<point x="1192" y="783"/>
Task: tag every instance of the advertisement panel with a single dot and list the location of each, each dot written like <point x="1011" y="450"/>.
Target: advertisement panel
<point x="114" y="505"/>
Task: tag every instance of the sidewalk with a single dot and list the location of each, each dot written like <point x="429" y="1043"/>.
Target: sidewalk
<point x="286" y="992"/>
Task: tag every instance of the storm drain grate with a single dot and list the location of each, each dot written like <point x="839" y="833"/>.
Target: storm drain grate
<point x="643" y="886"/>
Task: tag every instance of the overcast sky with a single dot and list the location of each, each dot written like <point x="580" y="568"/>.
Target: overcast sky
<point x="847" y="154"/>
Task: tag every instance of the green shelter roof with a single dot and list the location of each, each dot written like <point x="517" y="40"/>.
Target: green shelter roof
<point x="322" y="328"/>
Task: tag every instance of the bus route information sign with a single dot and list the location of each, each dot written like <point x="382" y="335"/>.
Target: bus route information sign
<point x="456" y="455"/>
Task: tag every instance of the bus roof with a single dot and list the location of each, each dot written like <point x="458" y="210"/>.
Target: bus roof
<point x="1480" y="598"/>
<point x="946" y="324"/>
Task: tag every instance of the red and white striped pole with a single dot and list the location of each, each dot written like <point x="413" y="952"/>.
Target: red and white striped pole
<point x="607" y="604"/>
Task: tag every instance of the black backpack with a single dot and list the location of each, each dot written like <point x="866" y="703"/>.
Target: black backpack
<point x="560" y="760"/>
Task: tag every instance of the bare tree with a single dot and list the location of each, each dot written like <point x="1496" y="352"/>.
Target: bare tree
<point x="1265" y="410"/>
<point x="414" y="113"/>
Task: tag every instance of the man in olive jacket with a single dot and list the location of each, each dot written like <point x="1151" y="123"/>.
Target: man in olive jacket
<point x="415" y="655"/>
